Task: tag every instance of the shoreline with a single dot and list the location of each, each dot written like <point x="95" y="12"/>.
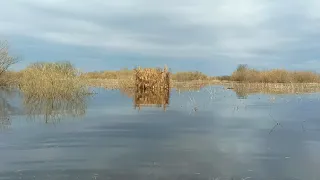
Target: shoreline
<point x="199" y="84"/>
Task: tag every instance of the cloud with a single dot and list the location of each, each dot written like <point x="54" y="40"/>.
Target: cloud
<point x="250" y="31"/>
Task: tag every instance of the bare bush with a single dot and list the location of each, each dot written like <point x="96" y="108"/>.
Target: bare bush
<point x="5" y="59"/>
<point x="5" y="62"/>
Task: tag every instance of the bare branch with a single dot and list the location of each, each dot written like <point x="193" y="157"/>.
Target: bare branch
<point x="5" y="59"/>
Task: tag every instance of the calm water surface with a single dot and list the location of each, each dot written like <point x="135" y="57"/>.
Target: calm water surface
<point x="201" y="135"/>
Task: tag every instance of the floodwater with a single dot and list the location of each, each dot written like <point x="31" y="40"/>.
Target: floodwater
<point x="209" y="134"/>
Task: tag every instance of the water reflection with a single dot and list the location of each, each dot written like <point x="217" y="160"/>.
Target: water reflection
<point x="213" y="143"/>
<point x="149" y="98"/>
<point x="6" y="108"/>
<point x="243" y="90"/>
<point x="4" y="111"/>
<point x="152" y="98"/>
<point x="54" y="108"/>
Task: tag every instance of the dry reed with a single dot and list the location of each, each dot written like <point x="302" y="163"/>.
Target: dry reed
<point x="52" y="80"/>
<point x="245" y="74"/>
<point x="189" y="76"/>
<point x="152" y="79"/>
<point x="152" y="87"/>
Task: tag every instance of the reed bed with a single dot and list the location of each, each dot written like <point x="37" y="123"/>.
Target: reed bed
<point x="246" y="74"/>
<point x="189" y="76"/>
<point x="7" y="81"/>
<point x="53" y="90"/>
<point x="120" y="74"/>
<point x="52" y="80"/>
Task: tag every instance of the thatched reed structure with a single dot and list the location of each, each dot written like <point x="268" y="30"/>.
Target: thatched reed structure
<point x="152" y="87"/>
<point x="154" y="79"/>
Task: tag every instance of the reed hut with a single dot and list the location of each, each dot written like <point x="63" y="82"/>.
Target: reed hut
<point x="155" y="79"/>
<point x="152" y="87"/>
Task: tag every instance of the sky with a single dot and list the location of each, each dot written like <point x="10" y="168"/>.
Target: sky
<point x="212" y="36"/>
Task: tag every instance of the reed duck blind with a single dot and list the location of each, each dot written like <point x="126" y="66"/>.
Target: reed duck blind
<point x="152" y="86"/>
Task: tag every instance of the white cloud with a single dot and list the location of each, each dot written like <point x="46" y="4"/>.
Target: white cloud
<point x="197" y="28"/>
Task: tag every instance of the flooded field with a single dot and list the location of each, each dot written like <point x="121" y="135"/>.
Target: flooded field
<point x="212" y="133"/>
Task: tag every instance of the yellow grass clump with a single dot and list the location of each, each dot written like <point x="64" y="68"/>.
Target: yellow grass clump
<point x="52" y="80"/>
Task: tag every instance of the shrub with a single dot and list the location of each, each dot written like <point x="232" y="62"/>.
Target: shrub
<point x="52" y="80"/>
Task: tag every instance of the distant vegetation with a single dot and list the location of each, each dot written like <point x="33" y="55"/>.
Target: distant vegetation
<point x="223" y="78"/>
<point x="125" y="73"/>
<point x="245" y="74"/>
<point x="48" y="79"/>
<point x="121" y="74"/>
<point x="189" y="76"/>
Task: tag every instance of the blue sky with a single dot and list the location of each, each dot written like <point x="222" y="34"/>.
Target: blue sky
<point x="212" y="36"/>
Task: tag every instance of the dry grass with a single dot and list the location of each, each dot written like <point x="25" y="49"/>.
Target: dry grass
<point x="189" y="76"/>
<point x="53" y="90"/>
<point x="245" y="74"/>
<point x="121" y="74"/>
<point x="52" y="80"/>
